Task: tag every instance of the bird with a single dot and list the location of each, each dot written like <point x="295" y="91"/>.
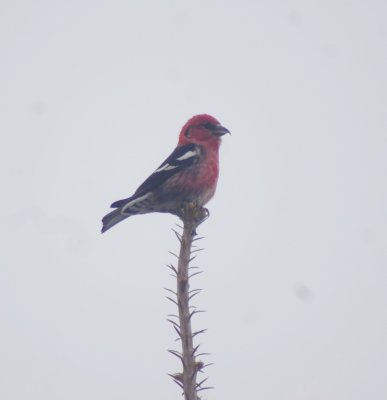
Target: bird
<point x="188" y="175"/>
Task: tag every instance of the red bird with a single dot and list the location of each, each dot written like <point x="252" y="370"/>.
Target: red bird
<point x="189" y="174"/>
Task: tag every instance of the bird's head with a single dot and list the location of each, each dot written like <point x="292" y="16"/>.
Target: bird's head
<point x="202" y="129"/>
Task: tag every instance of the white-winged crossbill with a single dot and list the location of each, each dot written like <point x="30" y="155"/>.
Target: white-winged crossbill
<point x="188" y="175"/>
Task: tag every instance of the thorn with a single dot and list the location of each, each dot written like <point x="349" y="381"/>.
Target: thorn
<point x="199" y="332"/>
<point x="171" y="252"/>
<point x="170" y="299"/>
<point x="192" y="313"/>
<point x="177" y="354"/>
<point x="176" y="380"/>
<point x="170" y="266"/>
<point x="205" y="388"/>
<point x="178" y="376"/>
<point x="173" y="323"/>
<point x="198" y="238"/>
<point x="178" y="331"/>
<point x="195" y="273"/>
<point x="171" y="291"/>
<point x="197" y="250"/>
<point x="178" y="235"/>
<point x="195" y="349"/>
<point x="193" y="295"/>
<point x="205" y="366"/>
<point x="198" y="385"/>
<point x="195" y="290"/>
<point x="173" y="315"/>
<point x="178" y="383"/>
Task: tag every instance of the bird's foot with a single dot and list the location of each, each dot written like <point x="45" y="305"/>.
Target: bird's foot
<point x="193" y="214"/>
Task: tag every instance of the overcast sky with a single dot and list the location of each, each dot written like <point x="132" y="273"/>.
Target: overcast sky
<point x="92" y="97"/>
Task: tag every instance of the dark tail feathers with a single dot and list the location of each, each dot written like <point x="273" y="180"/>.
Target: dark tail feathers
<point x="111" y="219"/>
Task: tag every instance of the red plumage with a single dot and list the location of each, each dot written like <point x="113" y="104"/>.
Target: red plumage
<point x="189" y="174"/>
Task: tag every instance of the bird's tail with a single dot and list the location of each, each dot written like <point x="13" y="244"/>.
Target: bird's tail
<point x="111" y="219"/>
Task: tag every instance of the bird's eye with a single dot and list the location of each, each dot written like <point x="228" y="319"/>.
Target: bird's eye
<point x="209" y="126"/>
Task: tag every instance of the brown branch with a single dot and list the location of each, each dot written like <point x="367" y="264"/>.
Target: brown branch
<point x="192" y="216"/>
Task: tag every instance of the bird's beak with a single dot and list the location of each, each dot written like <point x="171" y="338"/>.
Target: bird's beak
<point x="220" y="130"/>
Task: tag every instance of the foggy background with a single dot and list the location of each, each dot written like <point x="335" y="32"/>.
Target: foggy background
<point x="93" y="95"/>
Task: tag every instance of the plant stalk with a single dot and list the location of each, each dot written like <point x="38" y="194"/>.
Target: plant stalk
<point x="192" y="217"/>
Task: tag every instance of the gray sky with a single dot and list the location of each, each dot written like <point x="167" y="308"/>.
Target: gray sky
<point x="93" y="95"/>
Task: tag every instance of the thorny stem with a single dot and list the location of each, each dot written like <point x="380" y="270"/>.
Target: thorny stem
<point x="192" y="216"/>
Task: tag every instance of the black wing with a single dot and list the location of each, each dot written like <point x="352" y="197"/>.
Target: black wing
<point x="181" y="158"/>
